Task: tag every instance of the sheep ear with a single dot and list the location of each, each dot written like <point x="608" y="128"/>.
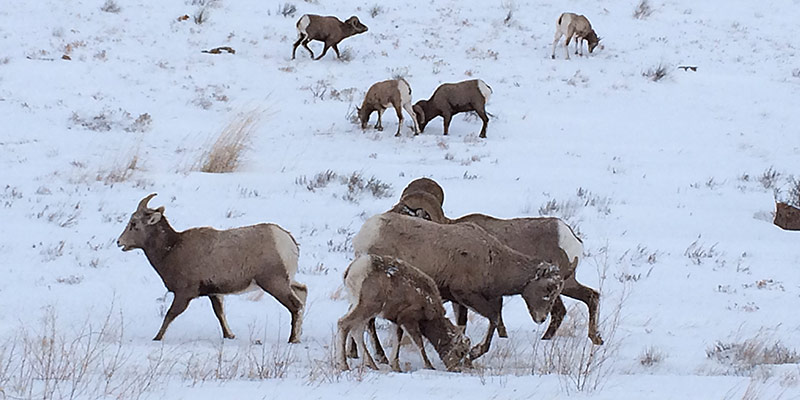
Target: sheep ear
<point x="153" y="218"/>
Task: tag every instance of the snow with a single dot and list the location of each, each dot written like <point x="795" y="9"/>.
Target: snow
<point x="659" y="179"/>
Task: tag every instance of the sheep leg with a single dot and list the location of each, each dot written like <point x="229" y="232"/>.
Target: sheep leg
<point x="216" y="304"/>
<point x="281" y="290"/>
<point x="555" y="42"/>
<point x="461" y="316"/>
<point x="410" y="111"/>
<point x="591" y="298"/>
<point x="569" y="36"/>
<point x="324" y="51"/>
<point x="179" y="304"/>
<point x="489" y="309"/>
<point x="344" y="326"/>
<point x="336" y="50"/>
<point x="578" y="40"/>
<point x="379" y="125"/>
<point x="305" y="44"/>
<point x="362" y="347"/>
<point x="416" y="336"/>
<point x="556" y="316"/>
<point x="447" y="117"/>
<point x="395" y="361"/>
<point x="482" y="114"/>
<point x="399" y="111"/>
<point x="376" y="343"/>
<point x="300" y="38"/>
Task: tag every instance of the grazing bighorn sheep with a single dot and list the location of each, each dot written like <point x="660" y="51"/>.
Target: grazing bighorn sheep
<point x="545" y="238"/>
<point x="208" y="262"/>
<point x="572" y="25"/>
<point x="453" y="98"/>
<point x="469" y="265"/>
<point x="425" y="185"/>
<point x="325" y="29"/>
<point x="401" y="293"/>
<point x="381" y="95"/>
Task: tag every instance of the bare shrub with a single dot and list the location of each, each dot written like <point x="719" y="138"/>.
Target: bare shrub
<point x="741" y="357"/>
<point x="356" y="185"/>
<point x="201" y="16"/>
<point x="769" y="178"/>
<point x="510" y="6"/>
<point x="697" y="252"/>
<point x="651" y="356"/>
<point x="643" y="10"/>
<point x="347" y="54"/>
<point x="657" y="73"/>
<point x="122" y="170"/>
<point x="375" y="10"/>
<point x="226" y="153"/>
<point x="319" y="180"/>
<point x="288" y="10"/>
<point x="110" y="6"/>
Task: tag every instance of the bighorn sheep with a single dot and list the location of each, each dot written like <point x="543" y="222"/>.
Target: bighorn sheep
<point x="572" y="25"/>
<point x="325" y="29"/>
<point x="399" y="292"/>
<point x="453" y="98"/>
<point x="468" y="264"/>
<point x="381" y="95"/>
<point x="425" y="185"/>
<point x="545" y="238"/>
<point x="208" y="262"/>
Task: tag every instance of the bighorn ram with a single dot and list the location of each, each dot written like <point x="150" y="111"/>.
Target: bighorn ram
<point x="572" y="25"/>
<point x="399" y="292"/>
<point x="469" y="265"/>
<point x="453" y="98"/>
<point x="381" y="95"/>
<point x="325" y="29"/>
<point x="545" y="238"/>
<point x="208" y="262"/>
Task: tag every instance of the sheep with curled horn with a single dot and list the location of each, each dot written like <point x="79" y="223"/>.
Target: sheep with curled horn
<point x="211" y="263"/>
<point x="547" y="238"/>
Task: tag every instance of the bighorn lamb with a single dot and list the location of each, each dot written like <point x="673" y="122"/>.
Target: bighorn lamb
<point x="399" y="292"/>
<point x="208" y="262"/>
<point x="469" y="265"/>
<point x="546" y="238"/>
<point x="325" y="29"/>
<point x="453" y="98"/>
<point x="381" y="95"/>
<point x="572" y="25"/>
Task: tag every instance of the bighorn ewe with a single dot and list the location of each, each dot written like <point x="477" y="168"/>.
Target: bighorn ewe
<point x="572" y="25"/>
<point x="207" y="262"/>
<point x="399" y="292"/>
<point x="546" y="238"/>
<point x="453" y="98"/>
<point x="325" y="29"/>
<point x="469" y="265"/>
<point x="393" y="92"/>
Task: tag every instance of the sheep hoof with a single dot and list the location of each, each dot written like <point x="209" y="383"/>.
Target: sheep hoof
<point x="597" y="340"/>
<point x="482" y="135"/>
<point x="553" y="56"/>
<point x="397" y="134"/>
<point x="229" y="336"/>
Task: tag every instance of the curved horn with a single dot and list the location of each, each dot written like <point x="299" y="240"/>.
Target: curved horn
<point x="143" y="204"/>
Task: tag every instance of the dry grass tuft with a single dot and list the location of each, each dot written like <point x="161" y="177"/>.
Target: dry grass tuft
<point x="226" y="153"/>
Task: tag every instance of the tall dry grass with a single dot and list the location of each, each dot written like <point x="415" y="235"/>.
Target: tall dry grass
<point x="226" y="154"/>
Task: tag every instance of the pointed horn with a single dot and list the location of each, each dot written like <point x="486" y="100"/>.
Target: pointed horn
<point x="143" y="204"/>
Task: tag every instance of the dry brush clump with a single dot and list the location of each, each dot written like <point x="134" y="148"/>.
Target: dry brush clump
<point x="742" y="357"/>
<point x="357" y="185"/>
<point x="657" y="72"/>
<point x="643" y="10"/>
<point x="227" y="151"/>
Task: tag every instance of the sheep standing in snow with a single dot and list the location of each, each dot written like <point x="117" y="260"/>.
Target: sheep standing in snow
<point x="329" y="30"/>
<point x="452" y="98"/>
<point x="543" y="237"/>
<point x="572" y="25"/>
<point x="399" y="292"/>
<point x="380" y="96"/>
<point x="208" y="262"/>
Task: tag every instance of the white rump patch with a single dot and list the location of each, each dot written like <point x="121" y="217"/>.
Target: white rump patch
<point x="568" y="242"/>
<point x="356" y="273"/>
<point x="287" y="249"/>
<point x="367" y="235"/>
<point x="485" y="90"/>
<point x="405" y="91"/>
<point x="303" y="24"/>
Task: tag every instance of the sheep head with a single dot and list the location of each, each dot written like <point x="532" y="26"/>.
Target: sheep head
<point x="542" y="291"/>
<point x="356" y="25"/>
<point x="363" y="116"/>
<point x="422" y="205"/>
<point x="136" y="233"/>
<point x="456" y="357"/>
<point x="593" y="40"/>
<point x="419" y="110"/>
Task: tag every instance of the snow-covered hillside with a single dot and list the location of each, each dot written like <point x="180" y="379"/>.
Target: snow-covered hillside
<point x="671" y="184"/>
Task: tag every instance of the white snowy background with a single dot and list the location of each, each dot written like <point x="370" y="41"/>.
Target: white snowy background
<point x="670" y="183"/>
